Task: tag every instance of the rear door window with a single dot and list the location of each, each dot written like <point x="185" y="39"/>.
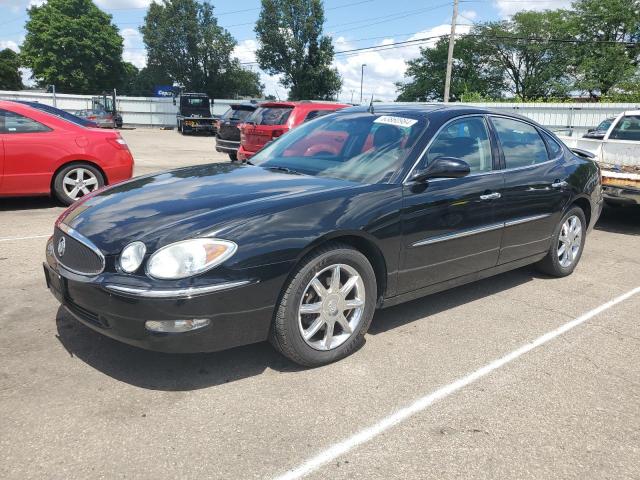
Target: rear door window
<point x="271" y="115"/>
<point x="521" y="143"/>
<point x="628" y="128"/>
<point x="11" y="122"/>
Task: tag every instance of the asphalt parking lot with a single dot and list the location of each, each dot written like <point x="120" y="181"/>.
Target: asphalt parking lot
<point x="77" y="405"/>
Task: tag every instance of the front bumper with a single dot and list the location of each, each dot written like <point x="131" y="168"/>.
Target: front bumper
<point x="239" y="312"/>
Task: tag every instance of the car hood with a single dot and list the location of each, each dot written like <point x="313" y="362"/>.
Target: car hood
<point x="169" y="206"/>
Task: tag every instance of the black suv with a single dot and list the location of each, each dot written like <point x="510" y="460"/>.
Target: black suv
<point x="228" y="135"/>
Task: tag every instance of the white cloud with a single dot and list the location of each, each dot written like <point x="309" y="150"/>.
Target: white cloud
<point x="9" y="44"/>
<point x="134" y="51"/>
<point x="507" y="8"/>
<point x="383" y="67"/>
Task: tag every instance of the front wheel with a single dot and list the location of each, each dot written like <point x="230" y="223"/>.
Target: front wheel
<point x="233" y="157"/>
<point x="326" y="308"/>
<point x="567" y="244"/>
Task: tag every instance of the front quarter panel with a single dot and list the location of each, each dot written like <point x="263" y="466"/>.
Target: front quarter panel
<point x="285" y="236"/>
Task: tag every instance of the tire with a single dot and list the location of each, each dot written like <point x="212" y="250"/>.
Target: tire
<point x="288" y="324"/>
<point x="87" y="177"/>
<point x="554" y="263"/>
<point x="233" y="157"/>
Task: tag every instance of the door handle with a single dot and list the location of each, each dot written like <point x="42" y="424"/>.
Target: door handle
<point x="490" y="196"/>
<point x="559" y="184"/>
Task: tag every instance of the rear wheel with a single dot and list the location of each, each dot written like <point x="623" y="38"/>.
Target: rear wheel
<point x="75" y="181"/>
<point x="567" y="244"/>
<point x="326" y="308"/>
<point x="233" y="157"/>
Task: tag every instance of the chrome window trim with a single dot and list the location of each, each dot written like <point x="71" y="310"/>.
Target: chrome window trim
<point x="174" y="293"/>
<point x="87" y="243"/>
<point x="486" y="116"/>
<point x="462" y="234"/>
<point x="435" y="135"/>
<point x="475" y="231"/>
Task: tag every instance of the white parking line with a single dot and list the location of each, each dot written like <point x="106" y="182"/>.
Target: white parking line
<point x="423" y="403"/>
<point x="13" y="239"/>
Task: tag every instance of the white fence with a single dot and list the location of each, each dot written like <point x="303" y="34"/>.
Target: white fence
<point x="572" y="119"/>
<point x="144" y="111"/>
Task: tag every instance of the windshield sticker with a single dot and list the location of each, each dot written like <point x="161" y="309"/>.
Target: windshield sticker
<point x="396" y="121"/>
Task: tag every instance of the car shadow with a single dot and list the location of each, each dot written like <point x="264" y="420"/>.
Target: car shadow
<point x="423" y="307"/>
<point x="620" y="220"/>
<point x="164" y="371"/>
<point x="28" y="203"/>
<point x="182" y="372"/>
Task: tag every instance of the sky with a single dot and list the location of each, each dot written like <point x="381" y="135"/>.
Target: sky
<point x="352" y="24"/>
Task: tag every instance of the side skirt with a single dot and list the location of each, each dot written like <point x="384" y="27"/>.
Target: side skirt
<point x="456" y="282"/>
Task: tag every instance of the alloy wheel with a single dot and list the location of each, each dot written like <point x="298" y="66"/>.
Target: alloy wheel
<point x="79" y="182"/>
<point x="570" y="241"/>
<point x="331" y="308"/>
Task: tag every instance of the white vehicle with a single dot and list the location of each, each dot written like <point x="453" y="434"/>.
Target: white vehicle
<point x="618" y="154"/>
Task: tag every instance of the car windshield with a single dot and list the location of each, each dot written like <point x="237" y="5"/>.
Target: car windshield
<point x="270" y="115"/>
<point x="605" y="124"/>
<point x="358" y="147"/>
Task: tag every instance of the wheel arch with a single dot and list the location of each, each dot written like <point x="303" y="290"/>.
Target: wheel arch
<point x="361" y="242"/>
<point x="585" y="205"/>
<point x="76" y="162"/>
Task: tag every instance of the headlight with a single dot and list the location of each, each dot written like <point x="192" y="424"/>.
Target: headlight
<point x="189" y="257"/>
<point x="132" y="256"/>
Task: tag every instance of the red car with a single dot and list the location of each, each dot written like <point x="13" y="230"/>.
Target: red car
<point x="272" y="119"/>
<point x="42" y="154"/>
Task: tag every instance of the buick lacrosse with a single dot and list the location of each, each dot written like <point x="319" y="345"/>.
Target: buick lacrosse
<point x="353" y="211"/>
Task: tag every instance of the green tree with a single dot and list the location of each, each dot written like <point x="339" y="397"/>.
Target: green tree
<point x="73" y="45"/>
<point x="186" y="45"/>
<point x="292" y="45"/>
<point x="607" y="58"/>
<point x="533" y="66"/>
<point x="10" y="78"/>
<point x="469" y="74"/>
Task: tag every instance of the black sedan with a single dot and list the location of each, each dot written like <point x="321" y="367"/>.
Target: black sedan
<point x="354" y="211"/>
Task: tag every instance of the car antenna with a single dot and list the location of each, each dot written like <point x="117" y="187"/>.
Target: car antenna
<point x="371" y="105"/>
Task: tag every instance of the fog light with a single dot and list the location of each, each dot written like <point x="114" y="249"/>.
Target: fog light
<point x="176" y="326"/>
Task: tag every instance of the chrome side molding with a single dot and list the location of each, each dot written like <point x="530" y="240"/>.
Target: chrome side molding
<point x="475" y="231"/>
<point x="174" y="293"/>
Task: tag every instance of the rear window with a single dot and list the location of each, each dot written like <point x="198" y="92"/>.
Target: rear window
<point x="628" y="128"/>
<point x="270" y="115"/>
<point x="195" y="102"/>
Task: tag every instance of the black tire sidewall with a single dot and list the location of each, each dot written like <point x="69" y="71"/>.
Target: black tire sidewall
<point x="58" y="189"/>
<point x="306" y="354"/>
<point x="559" y="270"/>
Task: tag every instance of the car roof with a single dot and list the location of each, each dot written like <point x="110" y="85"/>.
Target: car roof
<point x="302" y="103"/>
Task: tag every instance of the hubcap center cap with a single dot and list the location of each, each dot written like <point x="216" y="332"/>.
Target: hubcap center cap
<point x="331" y="305"/>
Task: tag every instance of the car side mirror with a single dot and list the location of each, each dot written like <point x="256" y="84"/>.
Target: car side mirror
<point x="443" y="167"/>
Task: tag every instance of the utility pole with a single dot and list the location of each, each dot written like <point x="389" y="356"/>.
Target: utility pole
<point x="452" y="41"/>
<point x="361" y="79"/>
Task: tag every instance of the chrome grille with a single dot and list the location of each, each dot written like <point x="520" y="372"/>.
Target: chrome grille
<point x="76" y="253"/>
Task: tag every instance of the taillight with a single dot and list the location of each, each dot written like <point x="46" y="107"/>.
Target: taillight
<point x="118" y="142"/>
<point x="276" y="133"/>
